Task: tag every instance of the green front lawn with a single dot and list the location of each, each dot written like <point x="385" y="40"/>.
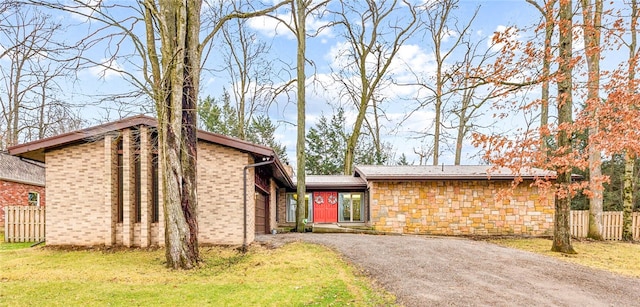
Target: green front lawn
<point x="293" y="275"/>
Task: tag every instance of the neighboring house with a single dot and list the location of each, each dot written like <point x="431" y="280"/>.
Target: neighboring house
<point x="435" y="200"/>
<point x="104" y="186"/>
<point x="21" y="183"/>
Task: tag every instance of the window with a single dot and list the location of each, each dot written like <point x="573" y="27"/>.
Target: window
<point x="292" y="201"/>
<point x="350" y="207"/>
<point x="155" y="213"/>
<point x="120" y="206"/>
<point x="34" y="199"/>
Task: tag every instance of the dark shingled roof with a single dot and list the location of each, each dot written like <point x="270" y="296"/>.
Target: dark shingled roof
<point x="18" y="170"/>
<point x="446" y="172"/>
<point x="334" y="181"/>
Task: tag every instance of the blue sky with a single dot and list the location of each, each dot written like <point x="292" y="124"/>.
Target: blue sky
<point x="321" y="50"/>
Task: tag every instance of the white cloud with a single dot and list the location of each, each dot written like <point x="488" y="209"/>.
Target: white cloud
<point x="272" y="27"/>
<point x="86" y="8"/>
<point x="447" y="34"/>
<point x="106" y="69"/>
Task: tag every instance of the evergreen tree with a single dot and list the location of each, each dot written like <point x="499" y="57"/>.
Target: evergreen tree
<point x="326" y="144"/>
<point x="219" y="116"/>
<point x="262" y="131"/>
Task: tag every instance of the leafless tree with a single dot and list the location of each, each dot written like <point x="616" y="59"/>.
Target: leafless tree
<point x="374" y="32"/>
<point x="162" y="40"/>
<point x="35" y="62"/>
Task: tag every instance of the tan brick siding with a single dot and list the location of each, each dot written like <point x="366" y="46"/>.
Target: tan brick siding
<point x="80" y="172"/>
<point x="17" y="194"/>
<point x="460" y="208"/>
<point x="220" y="201"/>
<point x="76" y="212"/>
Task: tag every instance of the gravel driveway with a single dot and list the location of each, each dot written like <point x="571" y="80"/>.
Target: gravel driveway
<point x="428" y="271"/>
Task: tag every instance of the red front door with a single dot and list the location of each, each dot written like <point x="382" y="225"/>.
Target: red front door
<point x="325" y="207"/>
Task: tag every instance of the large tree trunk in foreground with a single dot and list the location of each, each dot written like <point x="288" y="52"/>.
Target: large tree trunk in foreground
<point x="300" y="13"/>
<point x="561" y="230"/>
<point x="177" y="124"/>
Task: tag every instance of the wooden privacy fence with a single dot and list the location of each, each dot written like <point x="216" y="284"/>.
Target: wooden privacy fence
<point x="23" y="224"/>
<point x="611" y="224"/>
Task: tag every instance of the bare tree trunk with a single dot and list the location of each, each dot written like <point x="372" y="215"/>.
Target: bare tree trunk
<point x="180" y="23"/>
<point x="561" y="230"/>
<point x="592" y="17"/>
<point x="627" y="232"/>
<point x="299" y="9"/>
<point x="630" y="158"/>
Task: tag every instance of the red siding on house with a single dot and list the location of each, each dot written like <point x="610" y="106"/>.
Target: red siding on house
<point x="17" y="194"/>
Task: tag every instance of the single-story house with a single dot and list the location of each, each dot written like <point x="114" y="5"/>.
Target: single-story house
<point x="103" y="189"/>
<point x="435" y="200"/>
<point x="22" y="183"/>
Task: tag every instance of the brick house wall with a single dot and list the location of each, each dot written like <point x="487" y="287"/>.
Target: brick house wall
<point x="281" y="210"/>
<point x="17" y="194"/>
<point x="220" y="200"/>
<point x="459" y="207"/>
<point x="76" y="213"/>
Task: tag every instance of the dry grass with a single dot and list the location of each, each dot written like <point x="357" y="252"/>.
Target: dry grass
<point x="618" y="257"/>
<point x="293" y="275"/>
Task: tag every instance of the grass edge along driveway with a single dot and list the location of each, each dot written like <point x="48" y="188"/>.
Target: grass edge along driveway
<point x="293" y="275"/>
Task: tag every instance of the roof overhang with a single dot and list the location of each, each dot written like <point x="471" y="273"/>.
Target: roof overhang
<point x="35" y="150"/>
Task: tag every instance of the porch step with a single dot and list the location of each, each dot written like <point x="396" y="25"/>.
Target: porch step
<point x="335" y="228"/>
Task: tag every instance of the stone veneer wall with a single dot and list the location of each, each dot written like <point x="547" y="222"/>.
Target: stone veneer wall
<point x="459" y="208"/>
<point x="220" y="201"/>
<point x="76" y="213"/>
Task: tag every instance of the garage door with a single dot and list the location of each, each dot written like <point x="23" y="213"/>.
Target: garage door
<point x="262" y="216"/>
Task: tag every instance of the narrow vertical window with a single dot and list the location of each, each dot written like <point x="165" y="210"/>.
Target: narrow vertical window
<point x="155" y="213"/>
<point x="138" y="188"/>
<point x="137" y="173"/>
<point x="155" y="194"/>
<point x="120" y="181"/>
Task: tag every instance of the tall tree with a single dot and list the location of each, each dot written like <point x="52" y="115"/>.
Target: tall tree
<point x="630" y="156"/>
<point x="262" y="131"/>
<point x="217" y="115"/>
<point x="547" y="11"/>
<point x="326" y="144"/>
<point x="439" y="17"/>
<point x="561" y="230"/>
<point x="300" y="11"/>
<point x="169" y="53"/>
<point x="250" y="72"/>
<point x="33" y="63"/>
<point x="374" y="32"/>
<point x="592" y="18"/>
